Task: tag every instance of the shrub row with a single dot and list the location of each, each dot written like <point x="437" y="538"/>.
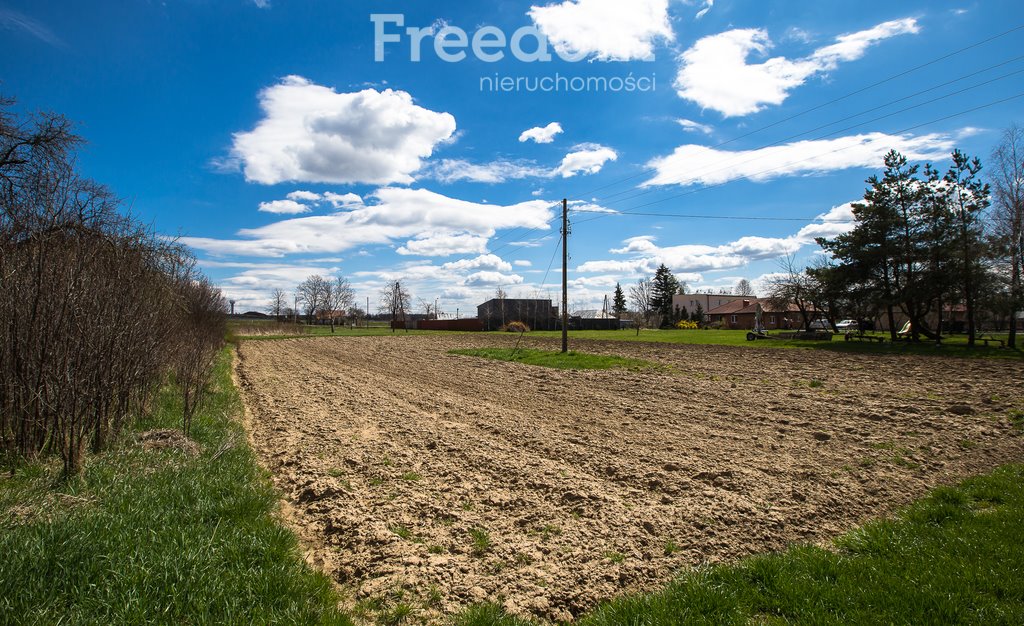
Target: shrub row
<point x="95" y="310"/>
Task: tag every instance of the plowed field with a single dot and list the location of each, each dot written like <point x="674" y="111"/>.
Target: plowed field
<point x="550" y="490"/>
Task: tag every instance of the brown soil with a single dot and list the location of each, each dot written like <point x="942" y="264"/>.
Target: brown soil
<point x="591" y="484"/>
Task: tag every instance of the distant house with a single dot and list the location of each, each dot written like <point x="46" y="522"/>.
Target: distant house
<point x="593" y="319"/>
<point x="537" y="314"/>
<point x="707" y="301"/>
<point x="740" y="314"/>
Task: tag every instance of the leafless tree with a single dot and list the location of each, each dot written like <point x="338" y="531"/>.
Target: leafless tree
<point x="501" y="295"/>
<point x="428" y="309"/>
<point x="641" y="296"/>
<point x="338" y="298"/>
<point x="395" y="301"/>
<point x="744" y="288"/>
<point x="1008" y="216"/>
<point x="278" y="303"/>
<point x="312" y="295"/>
<point x="792" y="287"/>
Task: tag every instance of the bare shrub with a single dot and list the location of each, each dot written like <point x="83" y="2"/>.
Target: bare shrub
<point x="515" y="327"/>
<point x="268" y="329"/>
<point x="95" y="310"/>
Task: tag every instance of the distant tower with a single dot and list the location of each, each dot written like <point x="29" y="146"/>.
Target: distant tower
<point x="232" y="302"/>
<point x="604" y="310"/>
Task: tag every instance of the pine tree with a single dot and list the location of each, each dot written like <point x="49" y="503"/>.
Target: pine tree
<point x="618" y="302"/>
<point x="665" y="286"/>
<point x="968" y="198"/>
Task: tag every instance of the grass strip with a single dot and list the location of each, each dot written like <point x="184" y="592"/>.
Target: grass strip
<point x="557" y="360"/>
<point x="952" y="346"/>
<point x="157" y="535"/>
<point x="952" y="558"/>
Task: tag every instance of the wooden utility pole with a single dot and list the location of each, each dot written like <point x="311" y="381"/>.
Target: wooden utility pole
<point x="565" y="276"/>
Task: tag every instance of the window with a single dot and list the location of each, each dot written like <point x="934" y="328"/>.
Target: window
<point x="771" y="320"/>
<point x="733" y="319"/>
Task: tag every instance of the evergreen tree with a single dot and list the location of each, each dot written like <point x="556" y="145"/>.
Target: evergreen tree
<point x="918" y="244"/>
<point x="698" y="314"/>
<point x="884" y="254"/>
<point x="664" y="287"/>
<point x="618" y="302"/>
<point x="968" y="198"/>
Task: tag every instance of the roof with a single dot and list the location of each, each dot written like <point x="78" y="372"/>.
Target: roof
<point x="748" y="306"/>
<point x="593" y="314"/>
<point x="736" y="306"/>
<point x="515" y="301"/>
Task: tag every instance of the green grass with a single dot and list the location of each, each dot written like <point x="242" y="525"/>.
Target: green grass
<point x="951" y="558"/>
<point x="615" y="557"/>
<point x="557" y="360"/>
<point x="147" y="536"/>
<point x="165" y="536"/>
<point x="953" y="346"/>
<point x="481" y="541"/>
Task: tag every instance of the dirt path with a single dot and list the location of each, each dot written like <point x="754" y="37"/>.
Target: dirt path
<point x="548" y="491"/>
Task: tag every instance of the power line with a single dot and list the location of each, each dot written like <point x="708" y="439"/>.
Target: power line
<point x="523" y="233"/>
<point x="632" y="211"/>
<point x="828" y="103"/>
<point x="551" y="263"/>
<point x="801" y="134"/>
<point x="817" y="156"/>
<point x="554" y="218"/>
<point x="848" y="128"/>
<point x="815" y="219"/>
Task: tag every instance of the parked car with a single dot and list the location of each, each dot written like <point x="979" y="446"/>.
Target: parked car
<point x="820" y="325"/>
<point x="846" y="326"/>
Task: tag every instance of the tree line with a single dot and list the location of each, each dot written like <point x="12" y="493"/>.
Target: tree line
<point x="330" y="300"/>
<point x="924" y="244"/>
<point x="96" y="311"/>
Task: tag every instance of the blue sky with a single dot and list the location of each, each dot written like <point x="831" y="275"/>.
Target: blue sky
<point x="269" y="137"/>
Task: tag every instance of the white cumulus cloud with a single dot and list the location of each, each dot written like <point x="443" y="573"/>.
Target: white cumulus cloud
<point x="311" y="133"/>
<point x="284" y="207"/>
<point x="304" y="196"/>
<point x="343" y="200"/>
<point x="539" y="134"/>
<point x="715" y="73"/>
<point x="691" y="126"/>
<point x="444" y="243"/>
<point x="426" y="222"/>
<point x="586" y="159"/>
<point x="488" y="279"/>
<point x="482" y="262"/>
<point x="800" y="158"/>
<point x="644" y="255"/>
<point x="454" y="170"/>
<point x="607" y="30"/>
